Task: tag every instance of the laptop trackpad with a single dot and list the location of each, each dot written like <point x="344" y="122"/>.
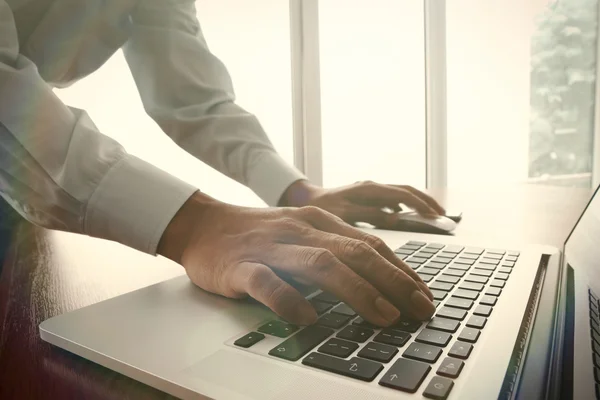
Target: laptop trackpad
<point x="238" y="375"/>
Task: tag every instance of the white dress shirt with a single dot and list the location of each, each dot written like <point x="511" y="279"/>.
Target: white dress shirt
<point x="60" y="172"/>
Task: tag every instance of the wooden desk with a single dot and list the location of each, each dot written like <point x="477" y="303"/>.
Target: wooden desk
<point x="48" y="273"/>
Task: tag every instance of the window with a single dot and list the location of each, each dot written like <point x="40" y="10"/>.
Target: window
<point x="254" y="44"/>
<point x="372" y="85"/>
<point x="521" y="82"/>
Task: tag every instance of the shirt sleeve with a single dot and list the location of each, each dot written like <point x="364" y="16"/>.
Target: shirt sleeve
<point x="58" y="171"/>
<point x="189" y="93"/>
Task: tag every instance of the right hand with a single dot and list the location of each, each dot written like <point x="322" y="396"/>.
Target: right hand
<point x="238" y="251"/>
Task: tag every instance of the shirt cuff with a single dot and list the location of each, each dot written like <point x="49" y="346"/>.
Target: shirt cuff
<point x="270" y="176"/>
<point x="134" y="203"/>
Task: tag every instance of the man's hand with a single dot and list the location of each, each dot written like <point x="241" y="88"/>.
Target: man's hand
<point x="236" y="251"/>
<point x="362" y="201"/>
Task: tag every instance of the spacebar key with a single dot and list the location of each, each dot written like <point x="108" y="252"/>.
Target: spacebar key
<point x="354" y="368"/>
<point x="301" y="343"/>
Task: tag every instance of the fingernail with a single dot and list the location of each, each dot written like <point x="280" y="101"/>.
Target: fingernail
<point x="387" y="310"/>
<point x="423" y="307"/>
<point x="426" y="290"/>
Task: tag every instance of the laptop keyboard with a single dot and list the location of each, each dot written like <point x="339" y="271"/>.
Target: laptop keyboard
<point x="466" y="283"/>
<point x="595" y="331"/>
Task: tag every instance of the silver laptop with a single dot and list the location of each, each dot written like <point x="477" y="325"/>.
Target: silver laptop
<point x="512" y="321"/>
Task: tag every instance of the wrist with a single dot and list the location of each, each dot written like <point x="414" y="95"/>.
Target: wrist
<point x="186" y="221"/>
<point x="300" y="194"/>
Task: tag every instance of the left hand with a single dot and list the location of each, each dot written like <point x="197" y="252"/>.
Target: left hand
<point x="362" y="201"/>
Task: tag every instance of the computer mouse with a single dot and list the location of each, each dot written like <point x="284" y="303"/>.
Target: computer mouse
<point x="412" y="221"/>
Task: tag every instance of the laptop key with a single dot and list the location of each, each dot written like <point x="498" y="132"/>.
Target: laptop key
<point x="413" y="265"/>
<point x="298" y="345"/>
<point x="488" y="261"/>
<point x="513" y="253"/>
<point x="497" y="283"/>
<point x="465" y="294"/>
<point x="405" y="375"/>
<point x="450" y="367"/>
<point x="338" y="348"/>
<point x="455" y="302"/>
<point x="378" y="352"/>
<point x="473" y="250"/>
<point x="392" y="337"/>
<point x="460" y="350"/>
<point x="443" y="324"/>
<point x="469" y="256"/>
<point x="361" y="322"/>
<point x="476" y="278"/>
<point x="446" y="254"/>
<point x="423" y="254"/>
<point x="326" y="298"/>
<point x="436" y="265"/>
<point x="407" y="325"/>
<point x="508" y="264"/>
<point x="487" y="267"/>
<point x="320" y="307"/>
<point x="278" y="328"/>
<point x="417" y="260"/>
<point x="404" y="252"/>
<point x="496" y="251"/>
<point x="434" y="337"/>
<point x="501" y="276"/>
<point x="436" y="303"/>
<point x="416" y="243"/>
<point x="357" y="368"/>
<point x="448" y="279"/>
<point x="409" y="247"/>
<point x="425" y="277"/>
<point x="439" y="294"/>
<point x="472" y="286"/>
<point x="452" y="313"/>
<point x="422" y="352"/>
<point x="455" y="272"/>
<point x="493" y="291"/>
<point x="511" y="259"/>
<point x="441" y="260"/>
<point x="493" y="256"/>
<point x="441" y="286"/>
<point x="462" y="267"/>
<point x="476" y="322"/>
<point x="469" y="335"/>
<point x="488" y="300"/>
<point x="355" y="333"/>
<point x="453" y="249"/>
<point x="249" y="339"/>
<point x="505" y="270"/>
<point x="435" y="246"/>
<point x="344" y="309"/>
<point x="429" y="271"/>
<point x="465" y="261"/>
<point x="333" y="320"/>
<point x="483" y="311"/>
<point x="481" y="272"/>
<point x="439" y="388"/>
<point x="429" y="250"/>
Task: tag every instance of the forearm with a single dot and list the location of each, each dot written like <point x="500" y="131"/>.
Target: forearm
<point x="188" y="91"/>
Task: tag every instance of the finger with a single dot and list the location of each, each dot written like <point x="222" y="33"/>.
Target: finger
<point x="321" y="268"/>
<point x="325" y="222"/>
<point x="261" y="283"/>
<point x="394" y="283"/>
<point x="425" y="197"/>
<point x="386" y="195"/>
